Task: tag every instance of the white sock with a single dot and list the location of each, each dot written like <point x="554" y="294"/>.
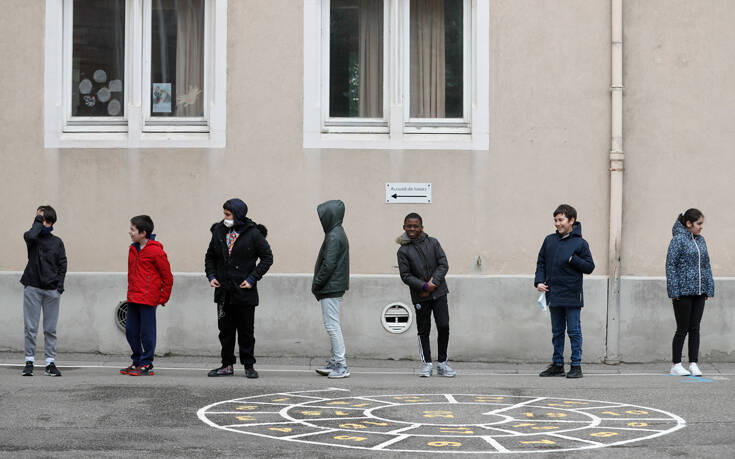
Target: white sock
<point x="30" y="359"/>
<point x="49" y="360"/>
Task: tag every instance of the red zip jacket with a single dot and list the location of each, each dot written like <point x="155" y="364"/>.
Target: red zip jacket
<point x="149" y="275"/>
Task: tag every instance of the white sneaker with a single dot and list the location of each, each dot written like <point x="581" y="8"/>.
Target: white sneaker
<point x="426" y="370"/>
<point x="695" y="369"/>
<point x="678" y="370"/>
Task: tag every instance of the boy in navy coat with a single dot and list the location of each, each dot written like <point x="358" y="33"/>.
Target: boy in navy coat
<point x="563" y="258"/>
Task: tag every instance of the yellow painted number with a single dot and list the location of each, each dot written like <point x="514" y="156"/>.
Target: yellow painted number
<point x="545" y="427"/>
<point x="440" y="444"/>
<point x="280" y="429"/>
<point x="245" y="418"/>
<point x="556" y="415"/>
<point x="603" y="434"/>
<point x="311" y="413"/>
<point x="281" y="399"/>
<point x="245" y="408"/>
<point x="539" y="442"/>
<point x="438" y="414"/>
<point x="638" y="424"/>
<point x="524" y="424"/>
<point x="338" y="402"/>
<point x="351" y="426"/>
<point x="456" y="430"/>
<point x="341" y="413"/>
<point x="373" y="423"/>
<point x="349" y="437"/>
<point x="637" y="412"/>
<point x="611" y="413"/>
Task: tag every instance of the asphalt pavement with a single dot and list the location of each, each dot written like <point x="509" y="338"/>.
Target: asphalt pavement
<point x="383" y="409"/>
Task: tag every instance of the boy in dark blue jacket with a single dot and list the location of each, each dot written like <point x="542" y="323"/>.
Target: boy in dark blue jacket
<point x="563" y="258"/>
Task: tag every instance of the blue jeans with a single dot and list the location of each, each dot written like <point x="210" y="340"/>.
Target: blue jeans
<point x="569" y="319"/>
<point x="140" y="329"/>
<point x="330" y="313"/>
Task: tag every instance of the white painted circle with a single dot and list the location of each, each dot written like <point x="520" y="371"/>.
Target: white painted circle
<point x="85" y="86"/>
<point x="100" y="76"/>
<point x="103" y="94"/>
<point x="114" y="107"/>
<point x="396" y="318"/>
<point x="427" y="423"/>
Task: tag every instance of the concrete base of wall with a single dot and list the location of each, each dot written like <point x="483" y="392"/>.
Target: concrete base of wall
<point x="492" y="318"/>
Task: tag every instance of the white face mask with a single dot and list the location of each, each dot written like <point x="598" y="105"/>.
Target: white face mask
<point x="228" y="223"/>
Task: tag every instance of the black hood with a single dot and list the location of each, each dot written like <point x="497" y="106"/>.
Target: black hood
<point x="576" y="230"/>
<point x="239" y="212"/>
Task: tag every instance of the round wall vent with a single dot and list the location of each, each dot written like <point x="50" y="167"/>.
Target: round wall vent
<point x="396" y="317"/>
<point x="121" y="314"/>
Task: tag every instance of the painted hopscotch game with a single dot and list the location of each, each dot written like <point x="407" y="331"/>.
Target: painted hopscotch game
<point x="459" y="423"/>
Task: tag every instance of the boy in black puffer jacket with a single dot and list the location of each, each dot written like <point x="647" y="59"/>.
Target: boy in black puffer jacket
<point x="563" y="258"/>
<point x="237" y="258"/>
<point x="423" y="265"/>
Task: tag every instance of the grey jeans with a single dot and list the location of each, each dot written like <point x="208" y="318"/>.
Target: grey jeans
<point x="35" y="300"/>
<point x="330" y="313"/>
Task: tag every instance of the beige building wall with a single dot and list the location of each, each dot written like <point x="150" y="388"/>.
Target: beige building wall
<point x="549" y="142"/>
<point x="679" y="135"/>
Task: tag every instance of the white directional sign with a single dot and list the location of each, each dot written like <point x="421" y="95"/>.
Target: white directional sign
<point x="408" y="193"/>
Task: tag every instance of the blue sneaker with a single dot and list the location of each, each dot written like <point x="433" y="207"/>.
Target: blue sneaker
<point x="339" y="371"/>
<point x="327" y="368"/>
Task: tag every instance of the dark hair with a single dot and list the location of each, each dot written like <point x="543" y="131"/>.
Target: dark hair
<point x="690" y="215"/>
<point x="227" y="206"/>
<point x="143" y="223"/>
<point x="49" y="214"/>
<point x="413" y="215"/>
<point x="567" y="210"/>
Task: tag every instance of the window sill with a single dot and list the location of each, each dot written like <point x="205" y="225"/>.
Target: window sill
<point x="144" y="140"/>
<point x="406" y="141"/>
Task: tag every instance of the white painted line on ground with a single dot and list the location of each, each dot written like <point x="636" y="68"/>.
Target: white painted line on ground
<point x="450" y="398"/>
<point x="390" y="442"/>
<point x="404" y="429"/>
<point x="583" y="440"/>
<point x="500" y="448"/>
<point x="259" y="424"/>
<point x="309" y="433"/>
<point x="517" y="405"/>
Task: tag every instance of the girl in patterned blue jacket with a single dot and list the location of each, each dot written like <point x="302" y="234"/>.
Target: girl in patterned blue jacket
<point x="689" y="283"/>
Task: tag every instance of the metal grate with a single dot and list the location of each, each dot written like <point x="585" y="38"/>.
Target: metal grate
<point x="121" y="314"/>
<point x="396" y="318"/>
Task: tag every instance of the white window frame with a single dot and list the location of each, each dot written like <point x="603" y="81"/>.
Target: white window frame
<point x="136" y="128"/>
<point x="471" y="132"/>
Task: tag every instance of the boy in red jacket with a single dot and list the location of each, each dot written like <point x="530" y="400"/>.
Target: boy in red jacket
<point x="149" y="284"/>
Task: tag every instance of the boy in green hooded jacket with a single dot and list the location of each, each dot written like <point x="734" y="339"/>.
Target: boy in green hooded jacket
<point x="331" y="281"/>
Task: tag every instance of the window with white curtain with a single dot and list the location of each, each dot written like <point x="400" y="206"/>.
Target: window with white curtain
<point x="135" y="73"/>
<point x="396" y="74"/>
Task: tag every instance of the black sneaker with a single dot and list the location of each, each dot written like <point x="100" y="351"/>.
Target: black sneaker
<point x="251" y="373"/>
<point x="143" y="370"/>
<point x="575" y="371"/>
<point x="224" y="370"/>
<point x="553" y="370"/>
<point x="28" y="369"/>
<point x="51" y="370"/>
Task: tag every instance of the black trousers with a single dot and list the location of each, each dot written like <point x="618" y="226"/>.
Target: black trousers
<point x="688" y="311"/>
<point x="232" y="320"/>
<point x="440" y="309"/>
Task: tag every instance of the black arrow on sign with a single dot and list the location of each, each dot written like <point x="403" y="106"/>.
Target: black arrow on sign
<point x="396" y="196"/>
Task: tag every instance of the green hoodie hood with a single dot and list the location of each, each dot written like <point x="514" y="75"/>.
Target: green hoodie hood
<point x="331" y="214"/>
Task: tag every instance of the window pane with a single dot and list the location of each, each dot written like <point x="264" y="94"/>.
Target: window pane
<point x="177" y="58"/>
<point x="98" y="58"/>
<point x="437" y="54"/>
<point x="356" y="58"/>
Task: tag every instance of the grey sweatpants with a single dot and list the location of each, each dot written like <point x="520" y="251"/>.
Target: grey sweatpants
<point x="35" y="300"/>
